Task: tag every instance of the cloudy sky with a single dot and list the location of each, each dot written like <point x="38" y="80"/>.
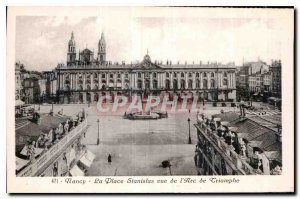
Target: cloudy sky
<point x="41" y="42"/>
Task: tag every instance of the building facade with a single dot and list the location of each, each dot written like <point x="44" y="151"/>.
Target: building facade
<point x="276" y="78"/>
<point x="233" y="144"/>
<point x="87" y="78"/>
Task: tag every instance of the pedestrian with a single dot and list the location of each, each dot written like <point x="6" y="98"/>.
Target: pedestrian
<point x="109" y="159"/>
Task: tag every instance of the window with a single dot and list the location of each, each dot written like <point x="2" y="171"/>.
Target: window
<point x="175" y="74"/>
<point x="190" y="74"/>
<point x="154" y="75"/>
<point x="225" y="82"/>
<point x="197" y="83"/>
<point x="197" y="75"/>
<point x="167" y="75"/>
<point x="119" y="75"/>
<point x="126" y="75"/>
<point x="139" y="75"/>
<point x="182" y="74"/>
<point x="182" y="84"/>
<point x="167" y="84"/>
<point x="103" y="75"/>
<point x="155" y="84"/>
<point x="212" y="83"/>
<point x="212" y="75"/>
<point x="190" y="84"/>
<point x="225" y="74"/>
<point x="204" y="75"/>
<point x="205" y="84"/>
<point x="111" y="75"/>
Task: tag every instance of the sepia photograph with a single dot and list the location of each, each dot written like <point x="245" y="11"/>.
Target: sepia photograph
<point x="146" y="92"/>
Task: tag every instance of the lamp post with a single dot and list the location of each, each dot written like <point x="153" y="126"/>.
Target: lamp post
<point x="98" y="139"/>
<point x="190" y="140"/>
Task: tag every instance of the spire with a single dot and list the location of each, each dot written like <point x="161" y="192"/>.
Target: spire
<point x="72" y="35"/>
<point x="102" y="35"/>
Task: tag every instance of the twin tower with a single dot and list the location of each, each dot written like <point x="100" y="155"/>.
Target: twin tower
<point x="86" y="56"/>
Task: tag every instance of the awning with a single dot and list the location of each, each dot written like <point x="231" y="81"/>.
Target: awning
<point x="20" y="163"/>
<point x="19" y="103"/>
<point x="88" y="158"/>
<point x="76" y="171"/>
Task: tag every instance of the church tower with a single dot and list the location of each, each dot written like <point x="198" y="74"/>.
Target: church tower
<point x="71" y="51"/>
<point x="102" y="50"/>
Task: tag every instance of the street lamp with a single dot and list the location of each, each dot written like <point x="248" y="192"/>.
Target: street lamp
<point x="98" y="139"/>
<point x="190" y="140"/>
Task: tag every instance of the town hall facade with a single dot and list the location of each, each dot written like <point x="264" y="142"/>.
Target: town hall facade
<point x="86" y="78"/>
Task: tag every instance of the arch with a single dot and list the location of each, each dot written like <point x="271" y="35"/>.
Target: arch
<point x="182" y="84"/>
<point x="212" y="74"/>
<point x="88" y="87"/>
<point x="95" y="75"/>
<point x="225" y="74"/>
<point x="80" y="87"/>
<point x="204" y="74"/>
<point x="197" y="75"/>
<point x="80" y="81"/>
<point x="190" y="84"/>
<point x="167" y="84"/>
<point x="167" y="74"/>
<point x="182" y="74"/>
<point x="88" y="97"/>
<point x="154" y="75"/>
<point x="96" y="87"/>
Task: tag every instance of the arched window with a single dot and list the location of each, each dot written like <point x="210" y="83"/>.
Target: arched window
<point x="88" y="87"/>
<point x="96" y="87"/>
<point x="103" y="75"/>
<point x="197" y="83"/>
<point x="80" y="81"/>
<point x="205" y="84"/>
<point x="95" y="75"/>
<point x="111" y="75"/>
<point x="204" y="75"/>
<point x="212" y="83"/>
<point x="80" y="87"/>
<point x="225" y="74"/>
<point x="190" y="74"/>
<point x="167" y="75"/>
<point x="154" y="75"/>
<point x="212" y="74"/>
<point x="197" y="75"/>
<point x="182" y="74"/>
<point x="119" y="75"/>
<point x="175" y="74"/>
<point x="139" y="75"/>
<point x="190" y="84"/>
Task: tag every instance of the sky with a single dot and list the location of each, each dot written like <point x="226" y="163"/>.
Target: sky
<point x="41" y="41"/>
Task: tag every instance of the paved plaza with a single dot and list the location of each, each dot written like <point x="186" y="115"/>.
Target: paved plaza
<point x="138" y="147"/>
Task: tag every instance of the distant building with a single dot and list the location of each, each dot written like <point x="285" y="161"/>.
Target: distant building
<point x="86" y="78"/>
<point x="276" y="77"/>
<point x="233" y="144"/>
<point x="32" y="90"/>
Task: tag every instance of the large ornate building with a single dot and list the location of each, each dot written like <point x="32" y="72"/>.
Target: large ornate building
<point x="84" y="79"/>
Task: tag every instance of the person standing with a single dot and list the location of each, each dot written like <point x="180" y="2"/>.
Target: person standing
<point x="109" y="159"/>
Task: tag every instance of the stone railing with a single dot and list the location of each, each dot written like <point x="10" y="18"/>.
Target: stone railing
<point x="238" y="160"/>
<point x="54" y="151"/>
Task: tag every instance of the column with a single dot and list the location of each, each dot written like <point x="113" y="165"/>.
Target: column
<point x="84" y="81"/>
<point x="186" y="80"/>
<point x="135" y="80"/>
<point x="63" y="80"/>
<point x="75" y="85"/>
<point x="171" y="80"/>
<point x="201" y="80"/>
<point x="151" y="81"/>
<point x="194" y="80"/>
<point x="92" y="81"/>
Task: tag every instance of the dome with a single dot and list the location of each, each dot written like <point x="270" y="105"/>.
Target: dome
<point x="147" y="58"/>
<point x="71" y="42"/>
